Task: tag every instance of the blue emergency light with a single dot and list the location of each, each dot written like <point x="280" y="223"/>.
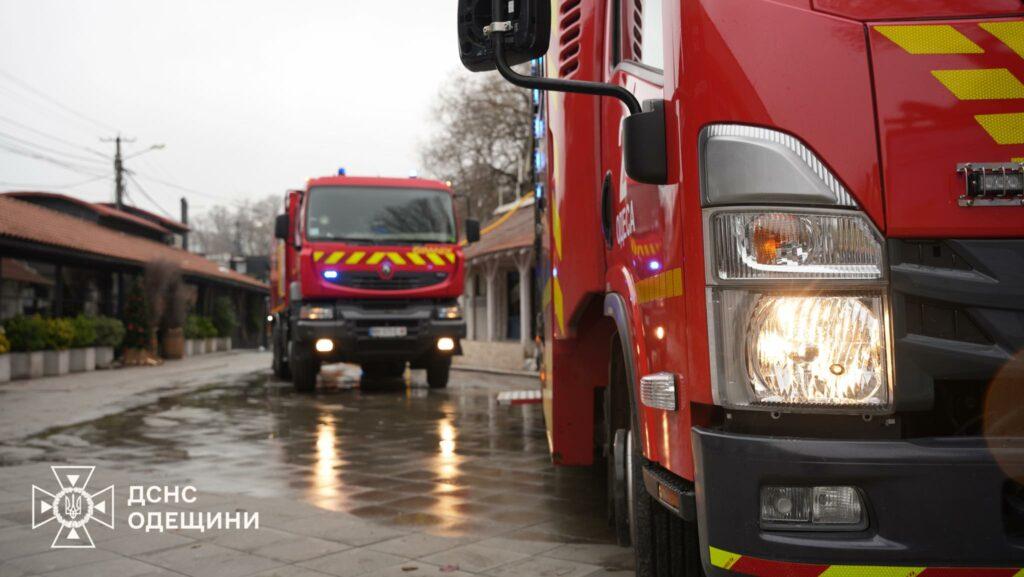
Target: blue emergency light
<point x="341" y="172"/>
<point x="330" y="274"/>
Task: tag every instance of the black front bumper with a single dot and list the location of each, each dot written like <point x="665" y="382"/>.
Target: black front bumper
<point x="353" y="341"/>
<point x="930" y="502"/>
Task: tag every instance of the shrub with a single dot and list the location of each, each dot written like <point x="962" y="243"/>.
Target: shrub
<point x="109" y="332"/>
<point x="207" y="328"/>
<point x="26" y="333"/>
<point x="224" y="318"/>
<point x="85" y="331"/>
<point x="193" y="327"/>
<point x="5" y="345"/>
<point x="59" y="334"/>
<point x="136" y="318"/>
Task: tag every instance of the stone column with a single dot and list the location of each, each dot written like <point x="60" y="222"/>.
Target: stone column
<point x="523" y="263"/>
<point x="469" y="304"/>
<point x="491" y="275"/>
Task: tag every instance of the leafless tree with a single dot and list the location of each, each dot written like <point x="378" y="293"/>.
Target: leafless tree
<point x="244" y="229"/>
<point x="482" y="140"/>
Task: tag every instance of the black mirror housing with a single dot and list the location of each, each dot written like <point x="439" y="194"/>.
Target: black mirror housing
<point x="528" y="38"/>
<point x="643" y="144"/>
<point x="472" y="230"/>
<point x="281" y="227"/>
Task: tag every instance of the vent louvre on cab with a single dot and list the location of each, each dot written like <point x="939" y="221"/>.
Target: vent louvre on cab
<point x="569" y="38"/>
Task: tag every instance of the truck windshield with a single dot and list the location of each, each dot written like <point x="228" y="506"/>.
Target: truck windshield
<point x="379" y="215"/>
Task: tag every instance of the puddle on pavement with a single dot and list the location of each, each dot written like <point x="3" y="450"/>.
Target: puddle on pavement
<point x="452" y="462"/>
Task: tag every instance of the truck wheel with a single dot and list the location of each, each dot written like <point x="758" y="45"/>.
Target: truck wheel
<point x="304" y="368"/>
<point x="437" y="373"/>
<point x="280" y="364"/>
<point x="664" y="544"/>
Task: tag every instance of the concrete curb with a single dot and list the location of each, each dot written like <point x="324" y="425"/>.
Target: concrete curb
<point x="509" y="372"/>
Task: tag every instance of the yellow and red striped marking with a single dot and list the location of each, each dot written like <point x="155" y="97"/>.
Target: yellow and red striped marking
<point x="417" y="257"/>
<point x="971" y="84"/>
<point x="756" y="567"/>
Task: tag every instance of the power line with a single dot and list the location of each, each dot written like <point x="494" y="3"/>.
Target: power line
<point x="146" y="194"/>
<point x="54" y="186"/>
<point x="33" y="154"/>
<point x="28" y="87"/>
<point x="48" y="149"/>
<point x="52" y="137"/>
<point x="177" y="186"/>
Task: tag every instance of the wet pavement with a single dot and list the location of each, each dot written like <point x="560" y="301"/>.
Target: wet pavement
<point x="449" y="478"/>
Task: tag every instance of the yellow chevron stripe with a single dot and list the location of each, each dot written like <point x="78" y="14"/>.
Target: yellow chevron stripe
<point x="723" y="559"/>
<point x="660" y="286"/>
<point x="334" y="258"/>
<point x="355" y="257"/>
<point x="416" y="259"/>
<point x="984" y="84"/>
<point x="871" y="571"/>
<point x="396" y="258"/>
<point x="375" y="258"/>
<point x="450" y="256"/>
<point x="317" y="254"/>
<point x="1009" y="33"/>
<point x="930" y="39"/>
<point x="435" y="258"/>
<point x="1004" y="128"/>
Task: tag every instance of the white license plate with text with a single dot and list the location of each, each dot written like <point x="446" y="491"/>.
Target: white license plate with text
<point x="388" y="332"/>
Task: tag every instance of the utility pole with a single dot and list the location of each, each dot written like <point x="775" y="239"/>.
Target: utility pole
<point x="118" y="171"/>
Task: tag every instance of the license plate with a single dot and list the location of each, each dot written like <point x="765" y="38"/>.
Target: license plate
<point x="388" y="332"/>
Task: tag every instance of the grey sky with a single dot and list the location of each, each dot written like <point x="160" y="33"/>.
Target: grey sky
<point x="250" y="96"/>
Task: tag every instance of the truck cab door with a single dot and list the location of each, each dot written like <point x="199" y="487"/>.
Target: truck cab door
<point x="638" y="216"/>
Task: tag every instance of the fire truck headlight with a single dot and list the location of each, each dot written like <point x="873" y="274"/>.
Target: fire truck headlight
<point x="816" y="351"/>
<point x="316" y="312"/>
<point x="451" y="312"/>
<point x="758" y="245"/>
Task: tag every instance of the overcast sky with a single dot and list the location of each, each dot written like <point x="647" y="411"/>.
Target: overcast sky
<point x="250" y="96"/>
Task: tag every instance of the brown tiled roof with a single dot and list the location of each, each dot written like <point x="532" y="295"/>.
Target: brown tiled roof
<point x="169" y="224"/>
<point x="29" y="222"/>
<point x="101" y="209"/>
<point x="516" y="232"/>
<point x="16" y="270"/>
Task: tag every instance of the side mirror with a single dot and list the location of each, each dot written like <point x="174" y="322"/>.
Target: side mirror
<point x="472" y="230"/>
<point x="526" y="31"/>
<point x="643" y="144"/>
<point x="281" y="227"/>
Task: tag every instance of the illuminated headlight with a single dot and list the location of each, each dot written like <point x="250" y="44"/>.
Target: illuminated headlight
<point x="449" y="312"/>
<point x="316" y="312"/>
<point x="816" y="351"/>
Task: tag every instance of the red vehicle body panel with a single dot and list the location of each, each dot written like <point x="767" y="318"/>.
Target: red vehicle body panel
<point x="893" y="9"/>
<point x="921" y="180"/>
<point x="821" y="80"/>
<point x="314" y="257"/>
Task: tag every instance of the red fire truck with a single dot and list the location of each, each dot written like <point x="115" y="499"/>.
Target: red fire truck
<point x="784" y="249"/>
<point x="367" y="270"/>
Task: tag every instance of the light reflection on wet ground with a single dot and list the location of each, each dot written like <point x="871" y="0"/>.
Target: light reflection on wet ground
<point x="450" y="462"/>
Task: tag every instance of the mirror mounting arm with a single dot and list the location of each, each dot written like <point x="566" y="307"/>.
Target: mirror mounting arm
<point x="497" y="33"/>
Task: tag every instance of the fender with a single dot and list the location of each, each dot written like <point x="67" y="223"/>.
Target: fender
<point x="634" y="352"/>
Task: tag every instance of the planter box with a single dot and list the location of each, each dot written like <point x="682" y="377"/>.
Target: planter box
<point x="199" y="345"/>
<point x="190" y="347"/>
<point x="211" y="345"/>
<point x="104" y="357"/>
<point x="27" y="365"/>
<point x="225" y="344"/>
<point x="56" y="363"/>
<point x="5" y="368"/>
<point x="83" y="360"/>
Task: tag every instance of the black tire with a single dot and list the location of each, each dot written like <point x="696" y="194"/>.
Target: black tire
<point x="437" y="373"/>
<point x="280" y="363"/>
<point x="664" y="545"/>
<point x="304" y="368"/>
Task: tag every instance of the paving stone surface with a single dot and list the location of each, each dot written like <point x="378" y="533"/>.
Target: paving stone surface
<point x="358" y="480"/>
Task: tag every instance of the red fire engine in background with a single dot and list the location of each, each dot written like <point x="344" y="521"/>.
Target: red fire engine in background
<point x="367" y="270"/>
<point x="784" y="295"/>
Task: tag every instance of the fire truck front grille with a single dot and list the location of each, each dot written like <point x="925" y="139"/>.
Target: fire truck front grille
<point x="958" y="325"/>
<point x="370" y="280"/>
